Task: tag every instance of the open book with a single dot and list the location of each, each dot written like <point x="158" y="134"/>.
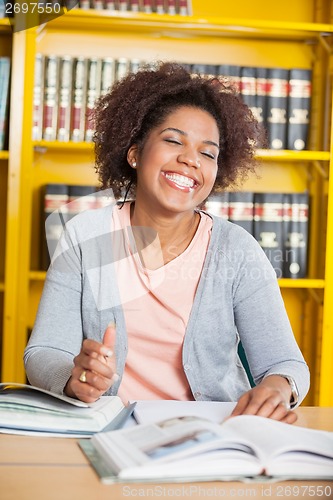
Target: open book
<point x="193" y="449"/>
<point x="26" y="409"/>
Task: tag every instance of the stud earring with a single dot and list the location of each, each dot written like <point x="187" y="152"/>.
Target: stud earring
<point x="134" y="164"/>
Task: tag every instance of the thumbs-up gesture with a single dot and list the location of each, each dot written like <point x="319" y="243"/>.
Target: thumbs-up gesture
<point x="94" y="369"/>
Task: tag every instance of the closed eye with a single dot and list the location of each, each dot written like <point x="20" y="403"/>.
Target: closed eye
<point x="173" y="141"/>
<point x="209" y="155"/>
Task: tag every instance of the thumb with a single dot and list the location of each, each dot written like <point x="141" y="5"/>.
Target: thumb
<point x="109" y="338"/>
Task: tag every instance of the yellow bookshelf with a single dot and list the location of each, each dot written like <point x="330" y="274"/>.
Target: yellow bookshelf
<point x="244" y="33"/>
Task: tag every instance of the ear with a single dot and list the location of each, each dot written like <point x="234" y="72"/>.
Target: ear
<point x="132" y="156"/>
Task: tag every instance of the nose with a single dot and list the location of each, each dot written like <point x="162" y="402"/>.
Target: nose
<point x="190" y="159"/>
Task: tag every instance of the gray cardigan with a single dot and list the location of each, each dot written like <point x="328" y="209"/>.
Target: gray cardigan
<point x="238" y="297"/>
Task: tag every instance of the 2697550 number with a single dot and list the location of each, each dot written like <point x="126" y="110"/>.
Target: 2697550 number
<point x="32" y="7"/>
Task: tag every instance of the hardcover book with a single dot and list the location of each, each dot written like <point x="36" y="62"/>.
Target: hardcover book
<point x="193" y="449"/>
<point x="218" y="204"/>
<point x="268" y="227"/>
<point x="79" y="90"/>
<point x="277" y="107"/>
<point x="65" y="95"/>
<point x="241" y="209"/>
<point x="299" y="108"/>
<point x="25" y="409"/>
<point x="50" y="101"/>
<point x="296" y="228"/>
<point x="37" y="126"/>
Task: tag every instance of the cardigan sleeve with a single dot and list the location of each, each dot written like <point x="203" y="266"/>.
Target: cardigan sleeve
<point x="262" y="322"/>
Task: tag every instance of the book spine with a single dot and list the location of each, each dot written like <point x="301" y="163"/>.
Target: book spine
<point x="268" y="227"/>
<point x="123" y="6"/>
<point x="218" y="204"/>
<point x="277" y="102"/>
<point x="93" y="91"/>
<point x="249" y="87"/>
<point x="98" y="4"/>
<point x="135" y="65"/>
<point x="4" y="100"/>
<point x="299" y="108"/>
<point x="78" y="99"/>
<point x="159" y="7"/>
<point x="122" y="68"/>
<point x="50" y="109"/>
<point x="261" y="97"/>
<point x="233" y="73"/>
<point x="183" y="9"/>
<point x="54" y="197"/>
<point x="171" y="7"/>
<point x="65" y="94"/>
<point x="296" y="228"/>
<point x="81" y="198"/>
<point x="210" y="71"/>
<point x="241" y="210"/>
<point x="110" y="5"/>
<point x="108" y="74"/>
<point x="37" y="125"/>
<point x="134" y="5"/>
<point x="84" y="4"/>
<point x="148" y="6"/>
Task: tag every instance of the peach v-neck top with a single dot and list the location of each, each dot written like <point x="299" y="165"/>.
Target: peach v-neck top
<point x="157" y="305"/>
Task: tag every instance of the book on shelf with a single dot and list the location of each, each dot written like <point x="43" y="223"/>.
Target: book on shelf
<point x="55" y="215"/>
<point x="277" y="107"/>
<point x="79" y="90"/>
<point x="268" y="227"/>
<point x="25" y="409"/>
<point x="299" y="102"/>
<point x="190" y="449"/>
<point x="296" y="225"/>
<point x="4" y="100"/>
<point x="50" y="98"/>
<point x="260" y="109"/>
<point x="65" y="90"/>
<point x="93" y="92"/>
<point x="38" y="100"/>
<point x="248" y="86"/>
<point x="241" y="209"/>
<point x="80" y="198"/>
<point x="232" y="72"/>
<point x="171" y="7"/>
<point x="218" y="204"/>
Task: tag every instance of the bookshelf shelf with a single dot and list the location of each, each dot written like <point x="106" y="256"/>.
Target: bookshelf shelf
<point x="285" y="155"/>
<point x="262" y="154"/>
<point x="301" y="283"/>
<point x="90" y="19"/>
<point x="5" y="26"/>
<point x="4" y="155"/>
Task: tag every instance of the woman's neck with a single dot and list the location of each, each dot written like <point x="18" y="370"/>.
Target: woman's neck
<point x="170" y="234"/>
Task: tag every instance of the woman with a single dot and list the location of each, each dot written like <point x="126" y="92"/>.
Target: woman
<point x="148" y="299"/>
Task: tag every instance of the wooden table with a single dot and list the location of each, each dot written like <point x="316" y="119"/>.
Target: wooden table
<point x="37" y="468"/>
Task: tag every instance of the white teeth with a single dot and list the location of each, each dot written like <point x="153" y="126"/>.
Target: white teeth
<point x="181" y="180"/>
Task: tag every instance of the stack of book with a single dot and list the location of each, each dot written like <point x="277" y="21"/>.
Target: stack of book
<point x="4" y="100"/>
<point x="66" y="88"/>
<point x="171" y="7"/>
<point x="278" y="221"/>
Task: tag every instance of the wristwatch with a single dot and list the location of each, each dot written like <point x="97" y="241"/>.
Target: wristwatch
<point x="294" y="391"/>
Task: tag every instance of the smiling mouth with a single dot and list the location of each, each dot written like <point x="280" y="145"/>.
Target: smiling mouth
<point x="180" y="180"/>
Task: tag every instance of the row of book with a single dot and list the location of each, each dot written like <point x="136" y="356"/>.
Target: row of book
<point x="65" y="91"/>
<point x="4" y="101"/>
<point x="279" y="98"/>
<point x="66" y="88"/>
<point x="278" y="221"/>
<point x="171" y="7"/>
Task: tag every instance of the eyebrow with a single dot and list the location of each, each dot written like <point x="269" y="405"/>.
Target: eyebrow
<point x="181" y="132"/>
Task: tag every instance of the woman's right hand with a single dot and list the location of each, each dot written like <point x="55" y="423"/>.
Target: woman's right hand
<point x="94" y="369"/>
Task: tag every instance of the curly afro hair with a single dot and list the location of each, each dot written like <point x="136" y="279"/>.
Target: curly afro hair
<point x="138" y="103"/>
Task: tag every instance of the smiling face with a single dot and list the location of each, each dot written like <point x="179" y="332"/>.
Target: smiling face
<point x="177" y="166"/>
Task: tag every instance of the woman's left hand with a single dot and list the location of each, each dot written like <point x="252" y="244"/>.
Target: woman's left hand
<point x="268" y="399"/>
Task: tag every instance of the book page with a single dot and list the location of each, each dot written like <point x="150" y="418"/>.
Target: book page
<point x="148" y="412"/>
